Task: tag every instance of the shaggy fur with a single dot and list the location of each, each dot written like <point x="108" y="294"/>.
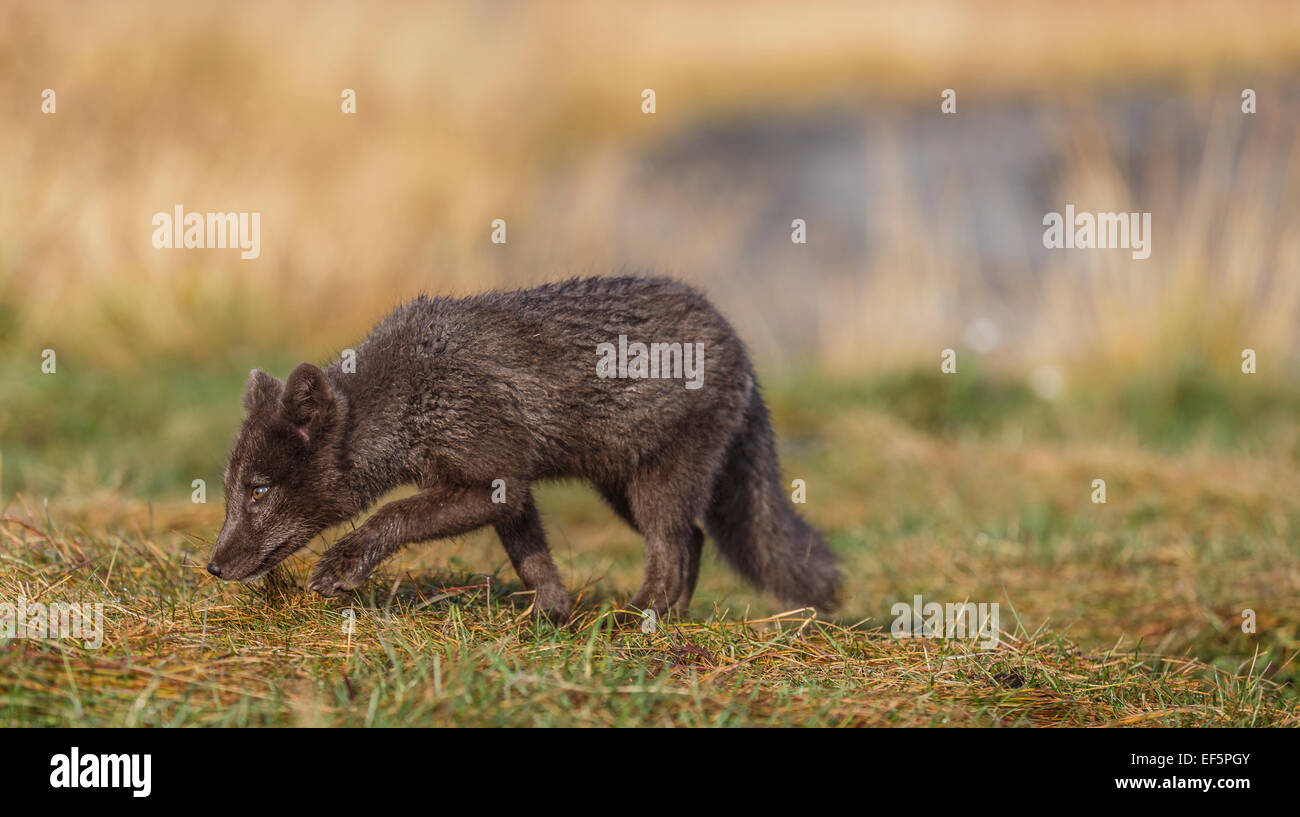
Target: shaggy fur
<point x="452" y="394"/>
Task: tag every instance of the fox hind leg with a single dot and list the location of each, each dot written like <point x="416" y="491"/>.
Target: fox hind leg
<point x="617" y="499"/>
<point x="665" y="502"/>
<point x="694" y="549"/>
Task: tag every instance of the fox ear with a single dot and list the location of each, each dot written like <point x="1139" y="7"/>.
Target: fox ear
<point x="308" y="401"/>
<point x="262" y="390"/>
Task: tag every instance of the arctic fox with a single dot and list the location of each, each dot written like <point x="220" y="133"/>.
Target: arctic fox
<point x="473" y="400"/>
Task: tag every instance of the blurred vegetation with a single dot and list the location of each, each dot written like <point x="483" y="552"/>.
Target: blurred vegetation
<point x="152" y="431"/>
<point x="471" y="112"/>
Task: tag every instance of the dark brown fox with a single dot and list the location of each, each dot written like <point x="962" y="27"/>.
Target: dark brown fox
<point x="473" y="400"/>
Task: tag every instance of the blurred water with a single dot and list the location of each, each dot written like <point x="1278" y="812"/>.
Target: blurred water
<point x="884" y="183"/>
<point x="988" y="173"/>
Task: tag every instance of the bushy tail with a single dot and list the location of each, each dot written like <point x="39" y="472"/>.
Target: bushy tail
<point x="757" y="530"/>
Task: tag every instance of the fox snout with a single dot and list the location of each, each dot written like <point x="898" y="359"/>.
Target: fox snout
<point x="243" y="555"/>
<point x="235" y="558"/>
<point x="223" y="563"/>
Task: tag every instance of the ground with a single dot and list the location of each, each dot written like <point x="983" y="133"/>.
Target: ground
<point x="1122" y="613"/>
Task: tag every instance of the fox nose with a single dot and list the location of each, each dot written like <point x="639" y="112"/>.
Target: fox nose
<point x="214" y="568"/>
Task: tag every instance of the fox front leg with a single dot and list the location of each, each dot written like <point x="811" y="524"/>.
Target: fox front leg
<point x="435" y="513"/>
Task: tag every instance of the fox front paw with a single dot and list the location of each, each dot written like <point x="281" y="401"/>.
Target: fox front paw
<point x="338" y="573"/>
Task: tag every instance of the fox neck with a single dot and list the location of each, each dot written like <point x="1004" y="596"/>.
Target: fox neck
<point x="366" y="469"/>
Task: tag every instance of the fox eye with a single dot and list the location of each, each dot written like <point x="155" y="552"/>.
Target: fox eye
<point x="259" y="492"/>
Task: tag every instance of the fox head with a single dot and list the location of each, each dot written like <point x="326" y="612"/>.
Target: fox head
<point x="284" y="482"/>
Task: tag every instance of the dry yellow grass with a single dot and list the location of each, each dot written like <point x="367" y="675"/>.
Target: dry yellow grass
<point x="422" y="653"/>
<point x="471" y="113"/>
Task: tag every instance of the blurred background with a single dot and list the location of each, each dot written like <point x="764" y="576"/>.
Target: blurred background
<point x="924" y="233"/>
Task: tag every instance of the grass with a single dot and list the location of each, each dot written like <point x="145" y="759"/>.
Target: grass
<point x="466" y="661"/>
<point x="1126" y="613"/>
<point x="444" y="649"/>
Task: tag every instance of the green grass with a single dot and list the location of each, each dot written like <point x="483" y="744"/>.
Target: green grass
<point x="964" y="488"/>
<point x="183" y="654"/>
<point x="150" y="432"/>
